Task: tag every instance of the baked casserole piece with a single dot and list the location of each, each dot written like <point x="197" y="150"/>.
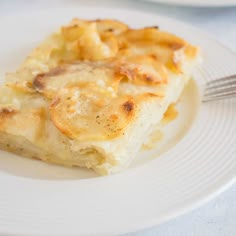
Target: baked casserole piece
<point x="92" y="92"/>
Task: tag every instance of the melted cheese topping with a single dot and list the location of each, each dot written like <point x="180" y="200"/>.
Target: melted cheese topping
<point x="101" y="39"/>
<point x="91" y="92"/>
<point x="88" y="102"/>
<point x="170" y="114"/>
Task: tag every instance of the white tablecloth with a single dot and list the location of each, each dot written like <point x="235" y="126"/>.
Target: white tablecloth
<point x="218" y="217"/>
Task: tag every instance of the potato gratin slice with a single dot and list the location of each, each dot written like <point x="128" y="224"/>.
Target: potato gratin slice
<point x="91" y="93"/>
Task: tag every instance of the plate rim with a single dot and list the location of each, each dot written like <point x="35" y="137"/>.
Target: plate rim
<point x="216" y="191"/>
<point x="201" y="3"/>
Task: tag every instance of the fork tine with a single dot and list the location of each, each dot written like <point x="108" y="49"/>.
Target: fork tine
<point x="220" y="90"/>
<point x="226" y="83"/>
<point x="219" y="97"/>
<point x="221" y="80"/>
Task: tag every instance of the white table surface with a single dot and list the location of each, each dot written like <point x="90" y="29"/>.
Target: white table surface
<point x="218" y="217"/>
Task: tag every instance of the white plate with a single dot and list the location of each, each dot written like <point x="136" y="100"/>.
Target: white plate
<point x="202" y="3"/>
<point x="197" y="161"/>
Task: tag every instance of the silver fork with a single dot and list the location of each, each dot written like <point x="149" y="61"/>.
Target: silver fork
<point x="220" y="89"/>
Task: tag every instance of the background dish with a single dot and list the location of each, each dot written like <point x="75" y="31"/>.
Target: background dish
<point x="196" y="169"/>
<point x="196" y="3"/>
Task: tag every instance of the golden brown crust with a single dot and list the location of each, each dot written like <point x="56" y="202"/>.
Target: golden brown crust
<point x="128" y="107"/>
<point x="28" y="122"/>
<point x="39" y="80"/>
<point x="90" y="82"/>
<point x="6" y="114"/>
<point x="103" y="25"/>
<point x="153" y="36"/>
<point x="143" y="70"/>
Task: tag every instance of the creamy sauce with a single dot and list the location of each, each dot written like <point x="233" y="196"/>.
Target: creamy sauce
<point x="170" y="114"/>
<point x="157" y="135"/>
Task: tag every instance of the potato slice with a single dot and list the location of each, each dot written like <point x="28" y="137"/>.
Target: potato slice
<point x="91" y="116"/>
